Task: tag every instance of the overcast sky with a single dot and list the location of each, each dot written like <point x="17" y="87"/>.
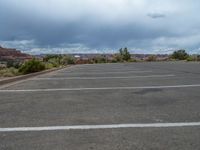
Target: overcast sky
<point x="73" y="26"/>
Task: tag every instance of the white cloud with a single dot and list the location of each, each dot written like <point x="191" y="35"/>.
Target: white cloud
<point x="19" y="44"/>
<point x="29" y="46"/>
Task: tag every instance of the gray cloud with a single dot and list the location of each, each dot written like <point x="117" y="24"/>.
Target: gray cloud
<point x="156" y="15"/>
<point x="99" y="26"/>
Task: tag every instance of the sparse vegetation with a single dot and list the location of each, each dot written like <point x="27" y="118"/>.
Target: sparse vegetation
<point x="183" y="55"/>
<point x="125" y="55"/>
<point x="9" y="72"/>
<point x="32" y="66"/>
<point x="180" y="55"/>
<point x="13" y="64"/>
<point x="67" y="60"/>
<point x="58" y="60"/>
<point x="100" y="59"/>
<point x="191" y="58"/>
<point x="152" y="58"/>
<point x="117" y="58"/>
<point x="122" y="56"/>
<point x="15" y="67"/>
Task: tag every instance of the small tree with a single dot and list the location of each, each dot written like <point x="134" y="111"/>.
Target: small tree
<point x="121" y="52"/>
<point x="127" y="55"/>
<point x="180" y="55"/>
<point x="124" y="53"/>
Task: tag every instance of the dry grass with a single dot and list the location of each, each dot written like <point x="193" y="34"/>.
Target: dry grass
<point x="9" y="72"/>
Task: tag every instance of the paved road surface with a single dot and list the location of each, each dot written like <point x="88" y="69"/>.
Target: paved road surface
<point x="105" y="107"/>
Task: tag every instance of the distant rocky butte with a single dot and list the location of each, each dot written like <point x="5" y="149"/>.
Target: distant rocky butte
<point x="9" y="53"/>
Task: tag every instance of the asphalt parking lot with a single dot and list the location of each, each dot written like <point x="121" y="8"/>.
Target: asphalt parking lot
<point x="128" y="106"/>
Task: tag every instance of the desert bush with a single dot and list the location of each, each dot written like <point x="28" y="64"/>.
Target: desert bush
<point x="192" y="58"/>
<point x="67" y="60"/>
<point x="32" y="66"/>
<point x="152" y="58"/>
<point x="9" y="72"/>
<point x="54" y="61"/>
<point x="180" y="55"/>
<point x="117" y="58"/>
<point x="49" y="65"/>
<point x="100" y="59"/>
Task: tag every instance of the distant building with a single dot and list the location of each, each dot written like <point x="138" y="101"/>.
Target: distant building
<point x="77" y="56"/>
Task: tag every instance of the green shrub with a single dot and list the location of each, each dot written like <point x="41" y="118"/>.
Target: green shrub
<point x="180" y="55"/>
<point x="100" y="59"/>
<point x="32" y="66"/>
<point x="67" y="60"/>
<point x="59" y="60"/>
<point x="54" y="61"/>
<point x="52" y="56"/>
<point x="49" y="65"/>
<point x="191" y="58"/>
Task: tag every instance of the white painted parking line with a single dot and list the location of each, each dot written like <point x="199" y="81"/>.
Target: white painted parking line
<point x="103" y="88"/>
<point x="100" y="71"/>
<point x="114" y="72"/>
<point x="90" y="127"/>
<point x="94" y="78"/>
